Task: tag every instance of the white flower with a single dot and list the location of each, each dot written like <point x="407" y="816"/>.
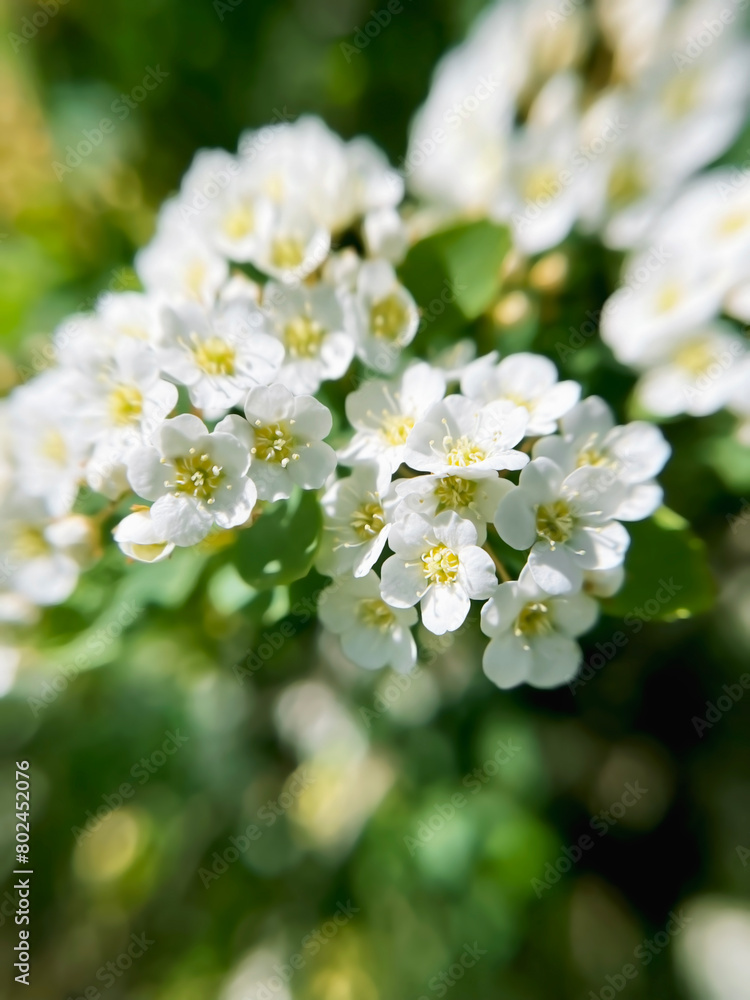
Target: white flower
<point x="356" y="522"/>
<point x="603" y="582"/>
<point x="437" y="563"/>
<point x="219" y="355"/>
<point x="48" y="447"/>
<point x="386" y="313"/>
<point x="634" y="453"/>
<point x="385" y="235"/>
<point x="285" y="437"/>
<point x="475" y="499"/>
<point x="178" y="263"/>
<point x="566" y="521"/>
<point x="698" y="376"/>
<point x="221" y="198"/>
<point x="384" y="414"/>
<point x="662" y="299"/>
<point x="296" y="246"/>
<point x="138" y="538"/>
<point x="42" y="557"/>
<point x="309" y="322"/>
<point x="461" y="435"/>
<point x="196" y="479"/>
<point x="130" y="316"/>
<point x="532" y="634"/>
<point x="527" y="380"/>
<point x="373" y="634"/>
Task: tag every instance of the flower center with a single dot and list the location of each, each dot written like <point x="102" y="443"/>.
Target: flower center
<point x="669" y="296"/>
<point x="440" y="565"/>
<point x="462" y="451"/>
<point x="274" y="443"/>
<point x="388" y="317"/>
<point x="287" y="252"/>
<point x="214" y="356"/>
<point x="396" y="428"/>
<point x="54" y="447"/>
<point x="239" y="222"/>
<point x="454" y="493"/>
<point x="590" y="456"/>
<point x="196" y="476"/>
<point x="30" y="543"/>
<point x="626" y="183"/>
<point x="534" y="619"/>
<point x="542" y="182"/>
<point x="733" y="223"/>
<point x="376" y="613"/>
<point x="125" y="405"/>
<point x="681" y="95"/>
<point x="695" y="357"/>
<point x="303" y="337"/>
<point x="368" y="521"/>
<point x="554" y="521"/>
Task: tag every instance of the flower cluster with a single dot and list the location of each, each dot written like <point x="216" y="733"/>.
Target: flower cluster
<point x="547" y="148"/>
<point x="193" y="404"/>
<point x="431" y="479"/>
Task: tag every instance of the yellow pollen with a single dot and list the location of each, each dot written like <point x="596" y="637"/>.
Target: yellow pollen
<point x="555" y="522"/>
<point x="681" y="95"/>
<point x="440" y="565"/>
<point x="125" y="405"/>
<point x="239" y="222"/>
<point x="197" y="476"/>
<point x="533" y="619"/>
<point x="303" y="337"/>
<point x="274" y="443"/>
<point x="590" y="456"/>
<point x="454" y="493"/>
<point x="463" y="451"/>
<point x="375" y="613"/>
<point x="396" y="428"/>
<point x="368" y="521"/>
<point x="733" y="223"/>
<point x="214" y="356"/>
<point x="287" y="252"/>
<point x="389" y="317"/>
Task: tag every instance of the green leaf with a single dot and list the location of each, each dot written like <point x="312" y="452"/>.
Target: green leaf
<point x="667" y="575"/>
<point x="730" y="460"/>
<point x="167" y="584"/>
<point x="455" y="274"/>
<point x="281" y="545"/>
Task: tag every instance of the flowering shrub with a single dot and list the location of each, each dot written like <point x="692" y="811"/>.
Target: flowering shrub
<point x="298" y="388"/>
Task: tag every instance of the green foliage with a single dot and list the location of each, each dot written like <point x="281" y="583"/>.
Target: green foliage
<point x="663" y="548"/>
<point x="281" y="546"/>
<point x="455" y="274"/>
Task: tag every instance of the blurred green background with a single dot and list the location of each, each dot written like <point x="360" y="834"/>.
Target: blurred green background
<point x="338" y="787"/>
